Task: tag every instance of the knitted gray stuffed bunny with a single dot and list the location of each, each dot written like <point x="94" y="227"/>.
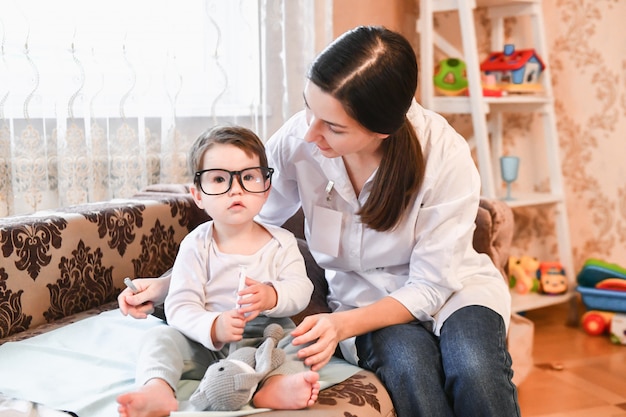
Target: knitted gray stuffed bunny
<point x="229" y="384"/>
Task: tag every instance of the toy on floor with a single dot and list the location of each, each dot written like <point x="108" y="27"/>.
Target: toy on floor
<point x="602" y="286"/>
<point x="229" y="384"/>
<point x="596" y="270"/>
<point x="618" y="329"/>
<point x="612" y="284"/>
<point x="523" y="274"/>
<point x="552" y="278"/>
<point x="596" y="322"/>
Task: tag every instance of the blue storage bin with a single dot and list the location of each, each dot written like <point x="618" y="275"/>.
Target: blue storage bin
<point x="606" y="300"/>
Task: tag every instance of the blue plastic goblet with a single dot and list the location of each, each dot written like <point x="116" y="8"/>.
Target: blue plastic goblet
<point x="509" y="168"/>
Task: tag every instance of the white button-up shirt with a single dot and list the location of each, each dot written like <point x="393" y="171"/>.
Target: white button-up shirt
<point x="427" y="262"/>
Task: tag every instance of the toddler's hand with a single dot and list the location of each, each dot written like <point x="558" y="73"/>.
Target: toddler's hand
<point x="229" y="327"/>
<point x="256" y="297"/>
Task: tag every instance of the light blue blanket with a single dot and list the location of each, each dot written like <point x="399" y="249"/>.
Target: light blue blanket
<point x="84" y="366"/>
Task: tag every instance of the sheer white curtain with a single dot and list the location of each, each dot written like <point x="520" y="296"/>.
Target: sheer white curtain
<point x="106" y="99"/>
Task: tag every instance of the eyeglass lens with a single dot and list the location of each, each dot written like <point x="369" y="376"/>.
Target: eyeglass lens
<point x="219" y="181"/>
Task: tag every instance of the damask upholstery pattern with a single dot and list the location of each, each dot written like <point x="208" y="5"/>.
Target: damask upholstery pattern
<point x="12" y="320"/>
<point x="358" y="392"/>
<point x="118" y="225"/>
<point x="84" y="283"/>
<point x="158" y="252"/>
<point x="63" y="262"/>
<point x="360" y="395"/>
<point x="32" y="243"/>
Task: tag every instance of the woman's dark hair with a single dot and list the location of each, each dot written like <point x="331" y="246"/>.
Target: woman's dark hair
<point x="372" y="71"/>
<point x="243" y="138"/>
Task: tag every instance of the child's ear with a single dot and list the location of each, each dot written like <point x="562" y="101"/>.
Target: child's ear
<point x="197" y="195"/>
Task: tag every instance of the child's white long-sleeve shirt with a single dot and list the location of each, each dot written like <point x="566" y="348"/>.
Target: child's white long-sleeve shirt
<point x="204" y="280"/>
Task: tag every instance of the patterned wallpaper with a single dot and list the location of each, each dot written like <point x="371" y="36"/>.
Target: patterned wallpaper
<point x="587" y="57"/>
<point x="587" y="44"/>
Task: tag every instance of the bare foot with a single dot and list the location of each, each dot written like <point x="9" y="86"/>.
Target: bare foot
<point x="288" y="392"/>
<point x="155" y="399"/>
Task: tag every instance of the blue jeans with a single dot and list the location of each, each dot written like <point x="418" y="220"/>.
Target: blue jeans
<point x="464" y="372"/>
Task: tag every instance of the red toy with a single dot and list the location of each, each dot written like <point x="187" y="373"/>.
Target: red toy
<point x="596" y="322"/>
<point x="516" y="71"/>
<point x="552" y="278"/>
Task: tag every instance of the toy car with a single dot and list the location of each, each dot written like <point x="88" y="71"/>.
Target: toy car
<point x="552" y="278"/>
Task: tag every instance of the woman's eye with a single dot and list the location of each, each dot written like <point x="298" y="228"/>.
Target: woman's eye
<point x="332" y="129"/>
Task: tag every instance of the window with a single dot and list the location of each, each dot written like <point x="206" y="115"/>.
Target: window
<point x="100" y="99"/>
<point x="129" y="58"/>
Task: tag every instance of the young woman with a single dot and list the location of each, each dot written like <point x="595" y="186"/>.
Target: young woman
<point x="390" y="194"/>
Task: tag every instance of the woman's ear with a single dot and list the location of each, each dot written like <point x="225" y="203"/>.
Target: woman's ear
<point x="197" y="195"/>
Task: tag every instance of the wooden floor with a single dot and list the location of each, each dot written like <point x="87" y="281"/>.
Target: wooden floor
<point x="575" y="375"/>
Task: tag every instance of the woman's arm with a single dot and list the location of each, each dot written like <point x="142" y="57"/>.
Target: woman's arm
<point x="327" y="330"/>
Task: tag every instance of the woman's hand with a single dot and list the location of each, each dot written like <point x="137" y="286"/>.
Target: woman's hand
<point x="323" y="331"/>
<point x="152" y="291"/>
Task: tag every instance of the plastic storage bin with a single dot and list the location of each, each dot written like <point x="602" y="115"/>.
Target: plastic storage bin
<point x="606" y="300"/>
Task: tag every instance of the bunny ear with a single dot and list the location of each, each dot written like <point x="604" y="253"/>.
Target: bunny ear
<point x="246" y="381"/>
<point x="263" y="357"/>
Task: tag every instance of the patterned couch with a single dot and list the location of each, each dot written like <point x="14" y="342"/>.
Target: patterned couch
<point x="64" y="265"/>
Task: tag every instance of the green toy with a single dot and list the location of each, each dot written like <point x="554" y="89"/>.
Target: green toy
<point x="450" y="77"/>
<point x="596" y="270"/>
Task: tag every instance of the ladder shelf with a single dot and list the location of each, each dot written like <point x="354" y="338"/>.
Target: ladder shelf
<point x="512" y="103"/>
<point x="487" y="111"/>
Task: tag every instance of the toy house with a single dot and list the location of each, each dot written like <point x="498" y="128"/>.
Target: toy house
<point x="515" y="70"/>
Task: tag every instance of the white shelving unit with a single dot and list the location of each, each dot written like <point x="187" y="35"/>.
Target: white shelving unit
<point x="486" y="112"/>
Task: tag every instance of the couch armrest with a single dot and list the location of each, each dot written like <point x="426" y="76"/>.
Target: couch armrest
<point x="494" y="232"/>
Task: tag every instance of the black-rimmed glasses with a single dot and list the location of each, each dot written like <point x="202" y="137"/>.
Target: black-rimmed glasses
<point x="219" y="181"/>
